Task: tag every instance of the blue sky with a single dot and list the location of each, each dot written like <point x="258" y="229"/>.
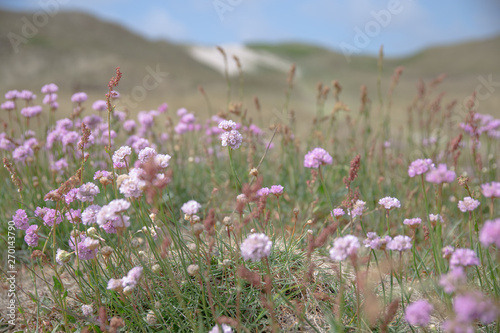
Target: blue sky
<point x="407" y="26"/>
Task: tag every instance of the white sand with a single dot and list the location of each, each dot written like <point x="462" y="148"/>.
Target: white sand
<point x="250" y="60"/>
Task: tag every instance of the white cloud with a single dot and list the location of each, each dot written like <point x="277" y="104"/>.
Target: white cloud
<point x="158" y="23"/>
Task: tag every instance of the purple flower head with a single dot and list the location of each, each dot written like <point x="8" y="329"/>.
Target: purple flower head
<point x="48" y="215"/>
<point x="447" y="251"/>
<point x="490" y="233"/>
<point x="89" y="215"/>
<point x="181" y="112"/>
<point x="31" y="237"/>
<point x="70" y="138"/>
<point x="358" y="208"/>
<point x="79" y="97"/>
<point x="12" y="94"/>
<point x="26" y="95"/>
<point x="59" y="166"/>
<point x="22" y="153"/>
<point x="375" y="242"/>
<point x="455" y="278"/>
<point x="140" y="144"/>
<point x="119" y="156"/>
<point x="337" y="212"/>
<point x="464" y="258"/>
<point x="475" y="306"/>
<point x="317" y="157"/>
<point x="87" y="192"/>
<point x="400" y="243"/>
<point x="8" y="106"/>
<point x="344" y="247"/>
<point x="413" y="223"/>
<point x="227" y="125"/>
<point x="115" y="284"/>
<point x="49" y="88"/>
<point x="49" y="99"/>
<point x="145" y="154"/>
<point x="232" y="139"/>
<point x="265" y="191"/>
<point x="113" y="212"/>
<point x="162" y="160"/>
<point x="74" y="215"/>
<point x="419" y="313"/>
<point x="491" y="190"/>
<point x="129" y="125"/>
<point x="145" y="118"/>
<point x="191" y="207"/>
<point x="419" y="167"/>
<point x="441" y="174"/>
<point x="389" y="203"/>
<point x="132" y="186"/>
<point x="31" y="111"/>
<point x="87" y="247"/>
<point x="468" y="204"/>
<point x="277" y="190"/>
<point x="435" y="218"/>
<point x="163" y="108"/>
<point x="132" y="278"/>
<point x="255" y="247"/>
<point x="70" y="196"/>
<point x="100" y="105"/>
<point x="21" y="220"/>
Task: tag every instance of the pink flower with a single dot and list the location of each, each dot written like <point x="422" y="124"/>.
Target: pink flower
<point x="413" y="223"/>
<point x="464" y="258"/>
<point x="256" y="247"/>
<point x="263" y="192"/>
<point x="389" y="203"/>
<point x="31" y="237"/>
<point x="375" y="242"/>
<point x="317" y="157"/>
<point x="337" y="212"/>
<point x="358" y="208"/>
<point x="79" y="97"/>
<point x="440" y="175"/>
<point x="191" y="207"/>
<point x="468" y="204"/>
<point x="232" y="139"/>
<point x="419" y="167"/>
<point x="491" y="190"/>
<point x="344" y="247"/>
<point x="490" y="233"/>
<point x="277" y="190"/>
<point x="21" y="220"/>
<point x="453" y="279"/>
<point x="419" y="313"/>
<point x="49" y="88"/>
<point x="400" y="243"/>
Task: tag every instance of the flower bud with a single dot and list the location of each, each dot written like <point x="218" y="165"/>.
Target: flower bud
<point x="192" y="247"/>
<point x="156" y="268"/>
<point x="193" y="270"/>
<point x="227" y="221"/>
<point x="106" y="251"/>
<point x="128" y="290"/>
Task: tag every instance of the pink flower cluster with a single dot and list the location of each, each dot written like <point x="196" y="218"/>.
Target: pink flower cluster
<point x="255" y="247"/>
<point x="344" y="247"/>
<point x="317" y="157"/>
<point x="441" y="174"/>
<point x="419" y="167"/>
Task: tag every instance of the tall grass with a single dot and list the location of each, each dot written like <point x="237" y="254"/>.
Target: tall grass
<point x="158" y="261"/>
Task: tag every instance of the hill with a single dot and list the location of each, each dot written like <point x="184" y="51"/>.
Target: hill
<point x="79" y="53"/>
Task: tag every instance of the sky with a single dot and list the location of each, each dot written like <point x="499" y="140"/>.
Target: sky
<point x="356" y="26"/>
